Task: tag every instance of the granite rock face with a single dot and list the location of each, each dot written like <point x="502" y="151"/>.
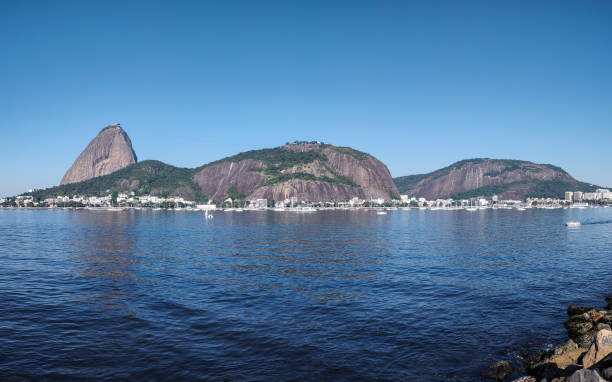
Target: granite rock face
<point x="109" y="151"/>
<point x="313" y="172"/>
<point x="510" y="179"/>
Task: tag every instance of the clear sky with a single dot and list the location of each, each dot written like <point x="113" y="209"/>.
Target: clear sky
<point x="417" y="84"/>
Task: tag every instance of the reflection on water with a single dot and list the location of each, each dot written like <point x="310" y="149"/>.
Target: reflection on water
<point x="104" y="252"/>
<point x="344" y="295"/>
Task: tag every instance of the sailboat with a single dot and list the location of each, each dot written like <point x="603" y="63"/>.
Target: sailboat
<point x="207" y="215"/>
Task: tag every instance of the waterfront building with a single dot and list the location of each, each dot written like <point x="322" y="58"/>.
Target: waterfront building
<point x="569" y="196"/>
<point x="603" y="194"/>
<point x="578" y="196"/>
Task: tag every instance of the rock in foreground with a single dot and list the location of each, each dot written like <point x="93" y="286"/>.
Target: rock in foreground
<point x="602" y="346"/>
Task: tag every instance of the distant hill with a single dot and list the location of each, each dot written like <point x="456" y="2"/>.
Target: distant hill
<point x="307" y="170"/>
<point x="510" y="179"/>
<point x="147" y="177"/>
<point x="311" y="171"/>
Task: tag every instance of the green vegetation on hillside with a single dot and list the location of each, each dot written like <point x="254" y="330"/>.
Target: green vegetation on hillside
<point x="233" y="193"/>
<point x="359" y="155"/>
<point x="554" y="188"/>
<point x="278" y="159"/>
<point x="406" y="183"/>
<point x="147" y="177"/>
<point x="281" y="178"/>
<point x="275" y="159"/>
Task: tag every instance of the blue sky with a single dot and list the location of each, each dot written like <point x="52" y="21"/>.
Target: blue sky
<point x="417" y="84"/>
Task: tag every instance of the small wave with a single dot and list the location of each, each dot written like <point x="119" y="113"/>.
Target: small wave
<point x="597" y="222"/>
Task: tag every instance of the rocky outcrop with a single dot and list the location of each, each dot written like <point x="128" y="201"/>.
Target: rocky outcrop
<point x="586" y="375"/>
<point x="313" y="172"/>
<point x="499" y="370"/>
<point x="510" y="179"/>
<point x="216" y="180"/>
<point x="587" y="356"/>
<point x="601" y="347"/>
<point x="110" y="151"/>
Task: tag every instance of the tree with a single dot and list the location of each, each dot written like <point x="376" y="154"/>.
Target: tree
<point x="114" y="196"/>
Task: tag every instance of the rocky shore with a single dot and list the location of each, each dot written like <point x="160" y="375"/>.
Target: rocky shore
<point x="585" y="357"/>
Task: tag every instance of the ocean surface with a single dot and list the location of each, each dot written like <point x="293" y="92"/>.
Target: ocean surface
<point x="332" y="295"/>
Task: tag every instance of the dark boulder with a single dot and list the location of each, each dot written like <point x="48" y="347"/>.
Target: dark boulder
<point x="605" y="367"/>
<point x="499" y="370"/>
<point x="573" y="310"/>
<point x="585" y="340"/>
<point x="586" y="375"/>
<point x="578" y="325"/>
<point x="551" y="371"/>
<point x="602" y="326"/>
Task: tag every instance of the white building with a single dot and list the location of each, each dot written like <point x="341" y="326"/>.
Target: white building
<point x="569" y="196"/>
<point x="578" y="196"/>
<point x="261" y="203"/>
<point x="603" y="193"/>
<point x="483" y="202"/>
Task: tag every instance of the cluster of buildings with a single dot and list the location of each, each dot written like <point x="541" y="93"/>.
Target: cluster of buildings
<point x="579" y="197"/>
<point x="127" y="200"/>
<point x="132" y="200"/>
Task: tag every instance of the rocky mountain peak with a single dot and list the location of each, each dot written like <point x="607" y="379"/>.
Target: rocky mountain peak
<point x="109" y="151"/>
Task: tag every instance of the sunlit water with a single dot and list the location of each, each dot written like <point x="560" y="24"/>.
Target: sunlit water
<point x="341" y="295"/>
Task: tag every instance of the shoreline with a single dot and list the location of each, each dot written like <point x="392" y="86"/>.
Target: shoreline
<point x="585" y="357"/>
<point x="300" y="209"/>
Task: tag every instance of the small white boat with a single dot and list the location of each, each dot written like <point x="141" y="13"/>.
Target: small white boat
<point x="207" y="215"/>
<point x="302" y="209"/>
<point x="238" y="210"/>
<point x="579" y="205"/>
<point x="520" y="209"/>
<point x="572" y="224"/>
<point x="381" y="212"/>
<point x="471" y="209"/>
